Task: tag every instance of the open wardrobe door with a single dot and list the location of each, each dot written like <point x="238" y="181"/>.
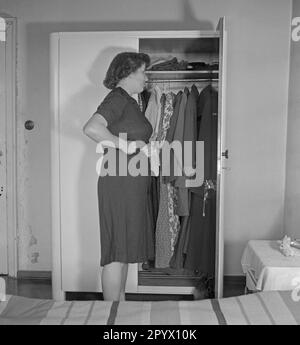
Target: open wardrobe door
<point x="79" y="61"/>
<point x="222" y="155"/>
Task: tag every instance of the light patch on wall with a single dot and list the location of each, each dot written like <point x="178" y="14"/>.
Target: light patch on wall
<point x="2" y="30"/>
<point x="34" y="257"/>
<point x="32" y="241"/>
<point x="31" y="247"/>
<point x="296" y="30"/>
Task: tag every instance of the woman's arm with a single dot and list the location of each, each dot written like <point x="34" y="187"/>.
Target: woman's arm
<point x="96" y="129"/>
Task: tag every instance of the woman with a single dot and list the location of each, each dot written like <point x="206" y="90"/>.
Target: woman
<point x="126" y="225"/>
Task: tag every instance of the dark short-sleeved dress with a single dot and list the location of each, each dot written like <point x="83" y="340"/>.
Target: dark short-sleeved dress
<point x="125" y="209"/>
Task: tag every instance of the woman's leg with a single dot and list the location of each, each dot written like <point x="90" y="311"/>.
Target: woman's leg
<point x="112" y="281"/>
<point x="123" y="285"/>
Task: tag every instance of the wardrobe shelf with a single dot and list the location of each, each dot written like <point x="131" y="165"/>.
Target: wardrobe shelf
<point x="182" y="75"/>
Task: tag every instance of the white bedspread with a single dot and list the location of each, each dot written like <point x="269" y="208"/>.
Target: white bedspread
<point x="262" y="308"/>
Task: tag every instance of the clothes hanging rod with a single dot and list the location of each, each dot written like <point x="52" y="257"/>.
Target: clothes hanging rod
<point x="182" y="71"/>
<point x="179" y="80"/>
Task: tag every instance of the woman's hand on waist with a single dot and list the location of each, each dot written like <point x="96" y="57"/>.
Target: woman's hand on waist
<point x="131" y="146"/>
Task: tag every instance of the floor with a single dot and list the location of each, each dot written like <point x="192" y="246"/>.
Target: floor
<point x="41" y="288"/>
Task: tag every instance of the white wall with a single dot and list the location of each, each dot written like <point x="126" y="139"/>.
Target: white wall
<point x="292" y="196"/>
<point x="258" y="61"/>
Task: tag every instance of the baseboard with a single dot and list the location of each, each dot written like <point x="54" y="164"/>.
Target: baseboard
<point x="44" y="275"/>
<point x="235" y="280"/>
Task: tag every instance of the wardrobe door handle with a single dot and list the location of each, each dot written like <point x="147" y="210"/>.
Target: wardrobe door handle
<point x="225" y="154"/>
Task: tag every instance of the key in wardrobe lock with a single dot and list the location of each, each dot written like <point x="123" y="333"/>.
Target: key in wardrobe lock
<point x="208" y="185"/>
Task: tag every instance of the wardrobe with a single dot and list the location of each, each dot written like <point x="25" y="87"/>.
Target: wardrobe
<point x="79" y="61"/>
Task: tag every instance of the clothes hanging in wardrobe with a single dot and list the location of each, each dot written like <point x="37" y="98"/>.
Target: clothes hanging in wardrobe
<point x="184" y="237"/>
<point x="189" y="135"/>
<point x="170" y="136"/>
<point x="178" y="258"/>
<point x="200" y="252"/>
<point x="195" y="247"/>
<point x="179" y="130"/>
<point x="184" y="195"/>
<point x="143" y="99"/>
<point x="153" y="111"/>
<point x="190" y="123"/>
<point x="167" y="225"/>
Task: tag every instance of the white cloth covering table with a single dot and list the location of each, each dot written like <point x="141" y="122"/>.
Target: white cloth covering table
<point x="266" y="268"/>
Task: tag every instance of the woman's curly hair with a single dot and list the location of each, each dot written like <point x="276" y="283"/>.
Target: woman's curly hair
<point x="122" y="65"/>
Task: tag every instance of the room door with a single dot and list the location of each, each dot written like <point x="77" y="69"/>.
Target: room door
<point x="3" y="166"/>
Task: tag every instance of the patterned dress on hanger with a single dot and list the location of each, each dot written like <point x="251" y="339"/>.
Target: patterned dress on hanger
<point x="167" y="225"/>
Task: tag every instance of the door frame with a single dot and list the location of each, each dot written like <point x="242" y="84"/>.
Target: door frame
<point x="221" y="168"/>
<point x="3" y="200"/>
<point x="11" y="143"/>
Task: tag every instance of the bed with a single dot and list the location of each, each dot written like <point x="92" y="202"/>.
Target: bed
<point x="267" y="308"/>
